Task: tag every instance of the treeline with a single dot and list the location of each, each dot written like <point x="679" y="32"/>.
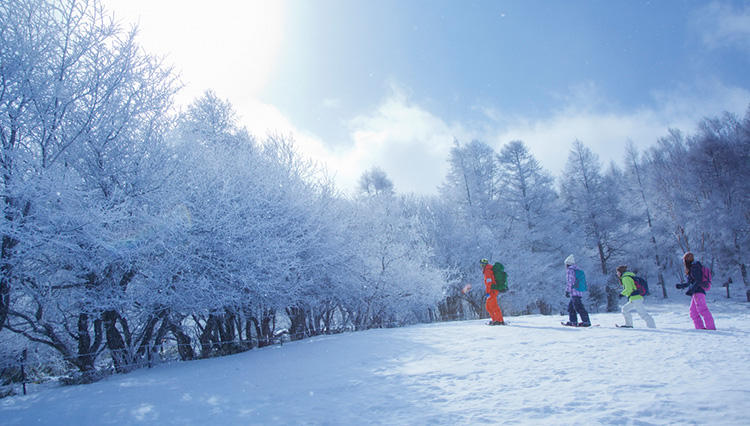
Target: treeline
<point x="128" y="229"/>
<point x="685" y="193"/>
<point x="125" y="227"/>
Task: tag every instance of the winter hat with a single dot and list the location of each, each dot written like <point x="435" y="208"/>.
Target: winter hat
<point x="622" y="269"/>
<point x="570" y="260"/>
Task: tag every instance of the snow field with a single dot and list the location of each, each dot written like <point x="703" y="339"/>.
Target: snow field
<point x="533" y="371"/>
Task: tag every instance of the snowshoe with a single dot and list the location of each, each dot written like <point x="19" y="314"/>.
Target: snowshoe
<point x="581" y="324"/>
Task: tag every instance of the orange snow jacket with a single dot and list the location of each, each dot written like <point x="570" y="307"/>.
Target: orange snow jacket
<point x="489" y="278"/>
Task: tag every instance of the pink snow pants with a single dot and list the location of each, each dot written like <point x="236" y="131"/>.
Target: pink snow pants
<point x="699" y="309"/>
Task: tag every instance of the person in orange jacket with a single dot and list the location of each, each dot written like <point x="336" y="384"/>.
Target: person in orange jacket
<point x="496" y="314"/>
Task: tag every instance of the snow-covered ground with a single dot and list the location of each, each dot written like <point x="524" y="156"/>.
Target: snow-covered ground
<point x="533" y="371"/>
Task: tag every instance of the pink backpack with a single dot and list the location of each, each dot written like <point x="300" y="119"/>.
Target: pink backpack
<point x="706" y="279"/>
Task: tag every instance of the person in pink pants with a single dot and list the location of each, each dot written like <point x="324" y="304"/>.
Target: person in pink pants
<point x="698" y="281"/>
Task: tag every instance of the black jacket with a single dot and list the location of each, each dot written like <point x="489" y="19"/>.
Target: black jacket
<point x="695" y="279"/>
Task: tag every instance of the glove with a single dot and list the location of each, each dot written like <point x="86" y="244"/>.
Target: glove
<point x="681" y="286"/>
<point x="486" y="295"/>
<point x="567" y="294"/>
<point x="622" y="295"/>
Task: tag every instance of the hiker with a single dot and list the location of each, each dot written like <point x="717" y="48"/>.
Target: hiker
<point x="575" y="306"/>
<point x="698" y="281"/>
<point x="635" y="299"/>
<point x="496" y="314"/>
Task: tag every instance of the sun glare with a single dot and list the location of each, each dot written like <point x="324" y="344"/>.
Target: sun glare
<point x="213" y="45"/>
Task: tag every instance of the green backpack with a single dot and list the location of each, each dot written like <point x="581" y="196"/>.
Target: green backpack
<point x="501" y="278"/>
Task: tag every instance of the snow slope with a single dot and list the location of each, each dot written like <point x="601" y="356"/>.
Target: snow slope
<point x="533" y="371"/>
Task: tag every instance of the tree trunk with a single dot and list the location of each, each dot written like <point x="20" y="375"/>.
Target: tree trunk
<point x="115" y="342"/>
<point x="327" y="320"/>
<point x="659" y="272"/>
<point x="184" y="345"/>
<point x="263" y="331"/>
<point x="726" y="284"/>
<point x="298" y="328"/>
<point x="158" y="343"/>
<point x="249" y="332"/>
<point x="633" y="159"/>
<point x="145" y="339"/>
<point x="6" y="271"/>
<point x="227" y="333"/>
<point x="88" y="351"/>
<point x="743" y="273"/>
<point x="5" y="274"/>
<point x="610" y="286"/>
<point x="4" y="295"/>
<point x="663" y="284"/>
<point x="209" y="336"/>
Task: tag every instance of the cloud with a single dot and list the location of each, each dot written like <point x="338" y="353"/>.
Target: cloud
<point x="405" y="140"/>
<point x="607" y="133"/>
<point x="331" y="103"/>
<point x="550" y="139"/>
<point x="412" y="144"/>
<point x="408" y="143"/>
<point x="722" y="25"/>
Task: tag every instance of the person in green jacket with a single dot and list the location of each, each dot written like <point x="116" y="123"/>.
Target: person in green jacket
<point x="635" y="300"/>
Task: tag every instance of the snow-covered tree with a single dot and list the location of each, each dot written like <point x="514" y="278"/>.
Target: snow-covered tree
<point x="720" y="162"/>
<point x="83" y="111"/>
<point x="527" y="189"/>
<point x="591" y="199"/>
<point x="471" y="182"/>
<point x="637" y="203"/>
<point x="532" y="240"/>
<point x="397" y="282"/>
<point x="457" y="247"/>
<point x="375" y="181"/>
<point x="700" y="185"/>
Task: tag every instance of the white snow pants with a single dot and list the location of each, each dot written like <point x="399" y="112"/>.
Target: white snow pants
<point x="636" y="305"/>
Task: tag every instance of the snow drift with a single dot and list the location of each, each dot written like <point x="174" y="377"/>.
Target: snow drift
<point x="532" y="371"/>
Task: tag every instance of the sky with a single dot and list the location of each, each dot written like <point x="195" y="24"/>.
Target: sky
<point x="392" y="84"/>
<point x="533" y="371"/>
